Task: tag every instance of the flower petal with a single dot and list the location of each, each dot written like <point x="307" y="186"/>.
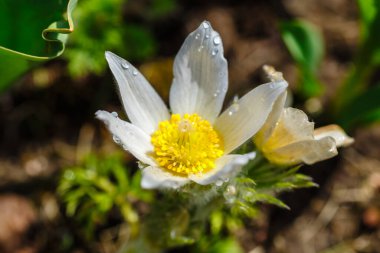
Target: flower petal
<point x="293" y="126"/>
<point x="307" y="151"/>
<point x="335" y="131"/>
<point x="154" y="177"/>
<point x="200" y="75"/>
<point x="244" y="118"/>
<point x="262" y="136"/>
<point x="132" y="138"/>
<point x="142" y="104"/>
<point x="225" y="167"/>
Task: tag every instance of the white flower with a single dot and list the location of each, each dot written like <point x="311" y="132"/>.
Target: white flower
<point x="193" y="143"/>
<point x="289" y="138"/>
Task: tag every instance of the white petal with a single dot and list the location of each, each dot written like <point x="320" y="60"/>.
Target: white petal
<point x="142" y="104"/>
<point x="242" y="120"/>
<point x="293" y="126"/>
<point x="262" y="136"/>
<point x="225" y="167"/>
<point x="200" y="75"/>
<point x="307" y="151"/>
<point x="154" y="177"/>
<point x="132" y="138"/>
<point x="335" y="131"/>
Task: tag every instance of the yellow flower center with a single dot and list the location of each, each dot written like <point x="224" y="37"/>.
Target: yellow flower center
<point x="187" y="145"/>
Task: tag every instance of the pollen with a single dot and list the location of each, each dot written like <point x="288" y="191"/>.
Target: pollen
<point x="186" y="145"/>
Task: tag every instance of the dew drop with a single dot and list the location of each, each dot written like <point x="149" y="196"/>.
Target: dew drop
<point x="207" y="36"/>
<point x="219" y="183"/>
<point x="332" y="149"/>
<point x="125" y="147"/>
<point x="226" y="179"/>
<point x="231" y="190"/>
<point x="205" y="25"/>
<point x="114" y="114"/>
<point x="217" y="92"/>
<point x="224" y="89"/>
<point x="116" y="139"/>
<point x="214" y="52"/>
<point x="234" y="108"/>
<point x="124" y="65"/>
<point x="200" y="48"/>
<point x="217" y="40"/>
<point x="141" y="165"/>
<point x="197" y="36"/>
<point x="134" y="72"/>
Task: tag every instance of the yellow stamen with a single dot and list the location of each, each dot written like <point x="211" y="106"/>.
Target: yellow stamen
<point x="186" y="146"/>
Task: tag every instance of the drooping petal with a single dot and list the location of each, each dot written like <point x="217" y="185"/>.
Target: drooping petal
<point x="156" y="178"/>
<point x="132" y="138"/>
<point x="265" y="132"/>
<point x="293" y="126"/>
<point x="307" y="151"/>
<point x="335" y="131"/>
<point x="225" y="167"/>
<point x="142" y="104"/>
<point x="200" y="75"/>
<point x="245" y="117"/>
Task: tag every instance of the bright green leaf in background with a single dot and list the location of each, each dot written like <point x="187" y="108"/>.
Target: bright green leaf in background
<point x="100" y="27"/>
<point x="31" y="31"/>
<point x="367" y="59"/>
<point x="305" y="44"/>
<point x="367" y="13"/>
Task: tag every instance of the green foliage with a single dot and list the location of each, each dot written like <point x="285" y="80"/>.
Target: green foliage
<point x="366" y="61"/>
<point x="101" y="28"/>
<point x="367" y="10"/>
<point x="305" y="44"/>
<point x="31" y="31"/>
<point x="92" y="190"/>
<point x="160" y="8"/>
<point x="215" y="244"/>
<point x="363" y="109"/>
<point x="354" y="103"/>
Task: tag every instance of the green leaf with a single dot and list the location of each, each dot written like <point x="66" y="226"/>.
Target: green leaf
<point x="23" y="22"/>
<point x="367" y="9"/>
<point x="228" y="245"/>
<point x="364" y="108"/>
<point x="31" y="31"/>
<point x="305" y="44"/>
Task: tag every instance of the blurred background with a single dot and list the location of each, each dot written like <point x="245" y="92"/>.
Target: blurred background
<point x="328" y="50"/>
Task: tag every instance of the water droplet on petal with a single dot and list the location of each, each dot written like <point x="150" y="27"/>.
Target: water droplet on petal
<point x="219" y="183"/>
<point x="234" y="107"/>
<point x="134" y="72"/>
<point x="226" y="179"/>
<point x="200" y="48"/>
<point x="217" y="92"/>
<point x="205" y="25"/>
<point x="214" y="52"/>
<point x="217" y="40"/>
<point x="114" y="114"/>
<point x="124" y="65"/>
<point x="197" y="36"/>
<point x="116" y="139"/>
<point x="141" y="165"/>
<point x="207" y="36"/>
<point x="125" y="147"/>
